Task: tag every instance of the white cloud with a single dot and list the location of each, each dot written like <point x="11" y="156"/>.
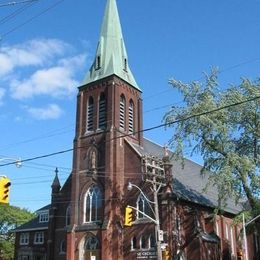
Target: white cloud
<point x="52" y="111"/>
<point x="40" y="68"/>
<point x="6" y="65"/>
<point x="37" y="52"/>
<point x="56" y="82"/>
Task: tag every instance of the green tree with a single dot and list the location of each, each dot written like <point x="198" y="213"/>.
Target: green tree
<point x="10" y="218"/>
<point x="228" y="139"/>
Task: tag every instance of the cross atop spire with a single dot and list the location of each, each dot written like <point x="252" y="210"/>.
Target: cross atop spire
<point x="111" y="57"/>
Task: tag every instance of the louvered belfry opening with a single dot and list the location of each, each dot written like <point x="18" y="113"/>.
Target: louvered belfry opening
<point x="122" y="112"/>
<point x="131" y="117"/>
<point x="90" y="111"/>
<point x="102" y="112"/>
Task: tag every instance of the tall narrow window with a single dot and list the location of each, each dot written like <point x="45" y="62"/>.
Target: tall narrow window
<point x="102" y="112"/>
<point x="143" y="206"/>
<point x="93" y="204"/>
<point x="143" y="242"/>
<point x="232" y="240"/>
<point x="152" y="242"/>
<point x="133" y="243"/>
<point x="227" y="231"/>
<point x="90" y="110"/>
<point x="62" y="247"/>
<point x="68" y="214"/>
<point x="131" y="117"/>
<point x="122" y="112"/>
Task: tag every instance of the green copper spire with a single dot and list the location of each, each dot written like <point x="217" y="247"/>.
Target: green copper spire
<point x="111" y="57"/>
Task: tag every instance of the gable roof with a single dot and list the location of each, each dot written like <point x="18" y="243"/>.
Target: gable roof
<point x="34" y="224"/>
<point x="188" y="183"/>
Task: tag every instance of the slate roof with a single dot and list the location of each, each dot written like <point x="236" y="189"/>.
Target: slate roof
<point x="34" y="224"/>
<point x="188" y="183"/>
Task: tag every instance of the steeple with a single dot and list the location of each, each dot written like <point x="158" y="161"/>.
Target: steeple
<point x="56" y="183"/>
<point x="111" y="57"/>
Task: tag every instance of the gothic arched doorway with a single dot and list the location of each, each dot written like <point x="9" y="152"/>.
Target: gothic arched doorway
<point x="92" y="248"/>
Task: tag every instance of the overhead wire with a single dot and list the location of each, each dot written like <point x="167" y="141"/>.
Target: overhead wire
<point x="30" y="19"/>
<point x="15" y="13"/>
<point x="17" y="2"/>
<point x="141" y="131"/>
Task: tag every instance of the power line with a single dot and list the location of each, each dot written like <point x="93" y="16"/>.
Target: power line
<point x="141" y="131"/>
<point x="220" y="71"/>
<point x="15" y="13"/>
<point x="17" y="2"/>
<point x="31" y="19"/>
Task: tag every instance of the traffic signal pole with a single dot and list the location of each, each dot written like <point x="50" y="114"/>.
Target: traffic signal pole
<point x="154" y="173"/>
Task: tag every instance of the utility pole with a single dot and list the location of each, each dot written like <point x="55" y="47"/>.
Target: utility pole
<point x="154" y="174"/>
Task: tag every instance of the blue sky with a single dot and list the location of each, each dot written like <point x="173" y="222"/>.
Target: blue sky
<point x="47" y="47"/>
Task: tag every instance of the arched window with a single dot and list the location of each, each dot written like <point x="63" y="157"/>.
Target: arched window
<point x="131" y="117"/>
<point x="62" y="247"/>
<point x="143" y="206"/>
<point x="91" y="248"/>
<point x="68" y="214"/>
<point x="92" y="243"/>
<point x="102" y="112"/>
<point x="93" y="204"/>
<point x="143" y="242"/>
<point x="152" y="242"/>
<point x="133" y="243"/>
<point x="122" y="112"/>
<point x="90" y="113"/>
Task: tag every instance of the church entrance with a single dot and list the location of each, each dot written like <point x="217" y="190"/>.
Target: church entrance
<point x="92" y="255"/>
<point x="92" y="248"/>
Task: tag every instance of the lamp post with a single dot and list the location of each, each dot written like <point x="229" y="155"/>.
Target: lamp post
<point x="244" y="233"/>
<point x="156" y="215"/>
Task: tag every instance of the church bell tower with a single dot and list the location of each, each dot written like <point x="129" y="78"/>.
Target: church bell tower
<point x="109" y="115"/>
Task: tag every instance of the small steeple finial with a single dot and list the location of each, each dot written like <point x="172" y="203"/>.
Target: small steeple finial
<point x="56" y="183"/>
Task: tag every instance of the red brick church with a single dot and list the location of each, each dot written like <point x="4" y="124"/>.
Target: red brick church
<point x="85" y="219"/>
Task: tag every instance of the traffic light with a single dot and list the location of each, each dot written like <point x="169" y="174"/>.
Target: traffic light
<point x="4" y="190"/>
<point x="128" y="217"/>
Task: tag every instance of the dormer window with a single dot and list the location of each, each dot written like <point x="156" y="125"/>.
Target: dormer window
<point x="44" y="217"/>
<point x="125" y="65"/>
<point x="98" y="65"/>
